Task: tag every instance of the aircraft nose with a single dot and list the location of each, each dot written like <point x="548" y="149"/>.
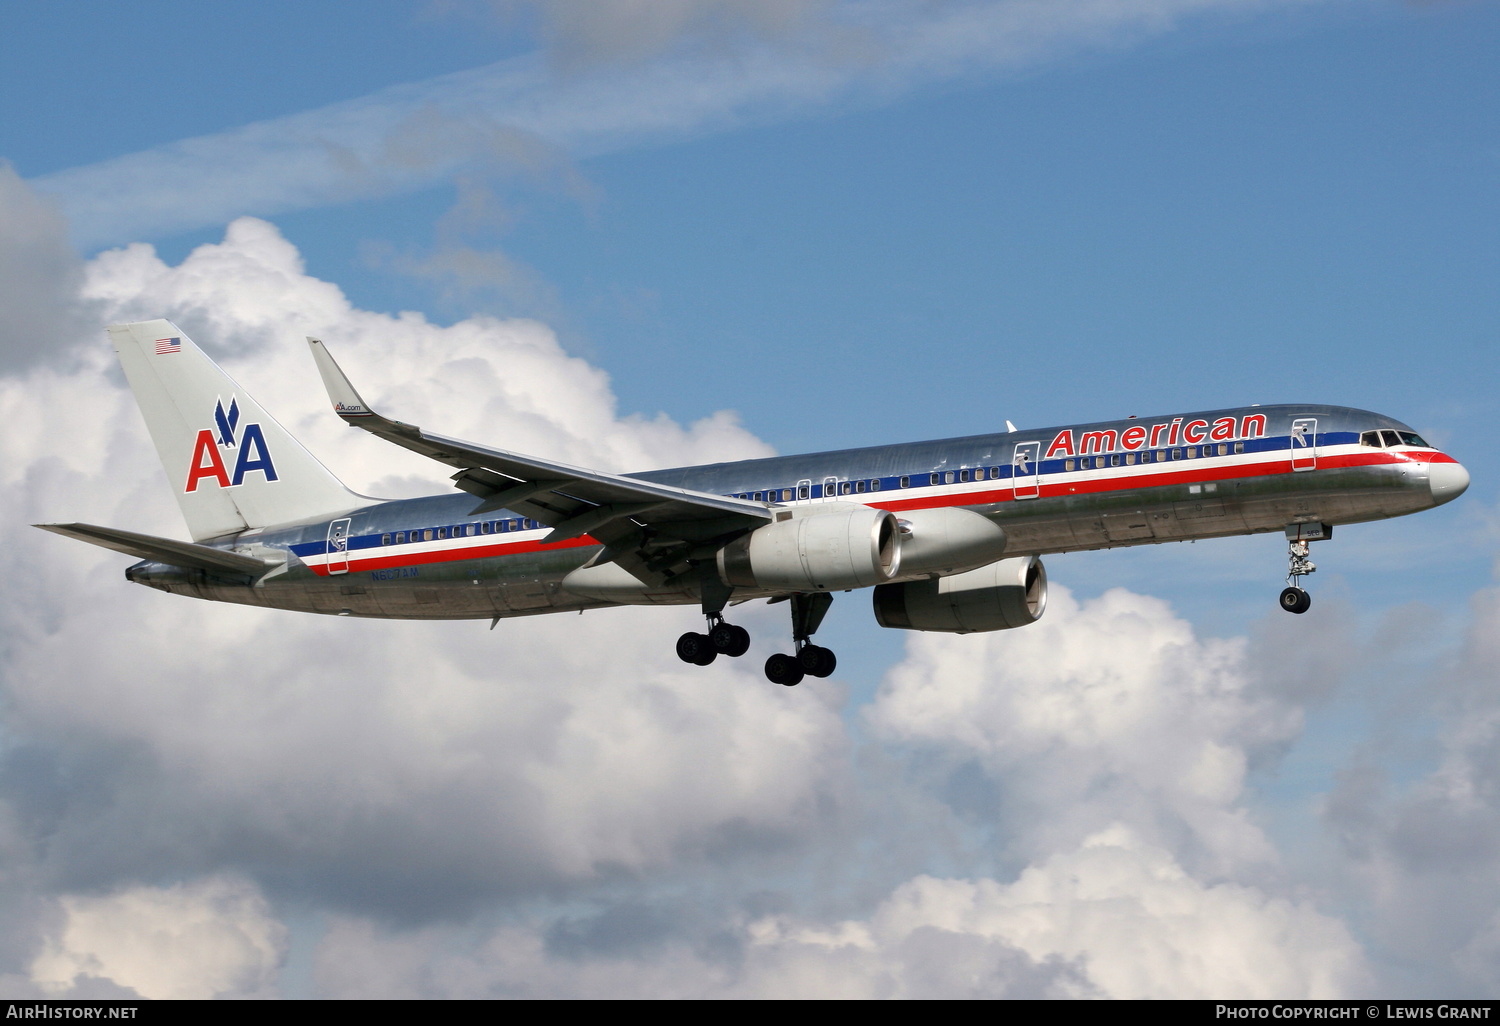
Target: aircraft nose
<point x="1447" y="480"/>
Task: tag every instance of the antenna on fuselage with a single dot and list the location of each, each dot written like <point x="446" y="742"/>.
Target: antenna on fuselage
<point x="1010" y="427"/>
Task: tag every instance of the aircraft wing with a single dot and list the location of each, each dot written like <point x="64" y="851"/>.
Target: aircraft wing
<point x="648" y="528"/>
<point x="162" y="550"/>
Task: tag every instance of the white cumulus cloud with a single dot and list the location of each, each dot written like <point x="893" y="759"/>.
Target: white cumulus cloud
<point x="1107" y="708"/>
<point x="209" y="938"/>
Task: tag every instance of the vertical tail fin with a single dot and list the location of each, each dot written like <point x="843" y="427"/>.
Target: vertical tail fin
<point x="230" y="464"/>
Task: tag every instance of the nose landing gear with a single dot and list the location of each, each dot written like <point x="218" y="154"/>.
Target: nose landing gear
<point x="1293" y="598"/>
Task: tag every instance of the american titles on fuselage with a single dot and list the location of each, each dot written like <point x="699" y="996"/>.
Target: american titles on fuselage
<point x="1161" y="435"/>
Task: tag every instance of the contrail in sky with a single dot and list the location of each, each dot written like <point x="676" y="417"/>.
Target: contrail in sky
<point x="524" y="113"/>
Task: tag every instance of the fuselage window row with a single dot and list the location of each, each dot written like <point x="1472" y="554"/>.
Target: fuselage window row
<point x="460" y="531"/>
<point x="1128" y="459"/>
<point x="936" y="478"/>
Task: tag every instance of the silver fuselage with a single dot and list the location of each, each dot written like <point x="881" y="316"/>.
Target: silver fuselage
<point x="1132" y="482"/>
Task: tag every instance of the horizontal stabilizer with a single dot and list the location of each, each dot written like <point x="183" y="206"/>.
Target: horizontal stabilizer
<point x="162" y="550"/>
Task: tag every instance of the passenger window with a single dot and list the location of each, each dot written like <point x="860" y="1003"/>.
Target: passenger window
<point x="385" y="539"/>
<point x="1130" y="459"/>
<point x="861" y="486"/>
<point x="1239" y="447"/>
<point x="804" y="491"/>
<point x="906" y="482"/>
<point x="1067" y="464"/>
<point x="875" y="485"/>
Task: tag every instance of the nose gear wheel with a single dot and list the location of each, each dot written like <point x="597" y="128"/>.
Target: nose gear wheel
<point x="1294" y="599"/>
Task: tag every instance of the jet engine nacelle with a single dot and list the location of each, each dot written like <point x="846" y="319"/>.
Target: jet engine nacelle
<point x="821" y="548"/>
<point x="947" y="540"/>
<point x="1010" y="593"/>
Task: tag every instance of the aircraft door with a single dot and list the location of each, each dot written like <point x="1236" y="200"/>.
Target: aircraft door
<point x="1305" y="443"/>
<point x="1025" y="464"/>
<point x="338" y="546"/>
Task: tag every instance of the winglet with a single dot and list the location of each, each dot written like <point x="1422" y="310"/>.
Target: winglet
<point x="346" y="401"/>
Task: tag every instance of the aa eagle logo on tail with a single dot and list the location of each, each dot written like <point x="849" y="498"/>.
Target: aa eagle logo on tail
<point x="248" y="449"/>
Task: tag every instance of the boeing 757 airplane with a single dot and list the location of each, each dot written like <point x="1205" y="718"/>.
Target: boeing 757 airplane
<point x="948" y="534"/>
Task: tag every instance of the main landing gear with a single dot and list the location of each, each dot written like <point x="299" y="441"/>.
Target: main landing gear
<point x="1298" y="537"/>
<point x="730" y="640"/>
<point x="809" y="659"/>
<point x="722" y="639"/>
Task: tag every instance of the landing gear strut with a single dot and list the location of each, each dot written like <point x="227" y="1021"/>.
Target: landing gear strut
<point x="1298" y="536"/>
<point x="728" y="639"/>
<point x="807" y="614"/>
<point x="722" y="638"/>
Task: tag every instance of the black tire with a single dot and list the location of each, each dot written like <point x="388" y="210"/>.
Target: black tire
<point x="742" y="642"/>
<point x="784" y="669"/>
<point x="1295" y="600"/>
<point x="730" y="640"/>
<point x="696" y="648"/>
<point x="817" y="661"/>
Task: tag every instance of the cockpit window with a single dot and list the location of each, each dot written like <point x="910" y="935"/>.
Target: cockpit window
<point x="1388" y="439"/>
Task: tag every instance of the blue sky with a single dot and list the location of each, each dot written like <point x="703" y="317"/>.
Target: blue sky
<point x="852" y="224"/>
